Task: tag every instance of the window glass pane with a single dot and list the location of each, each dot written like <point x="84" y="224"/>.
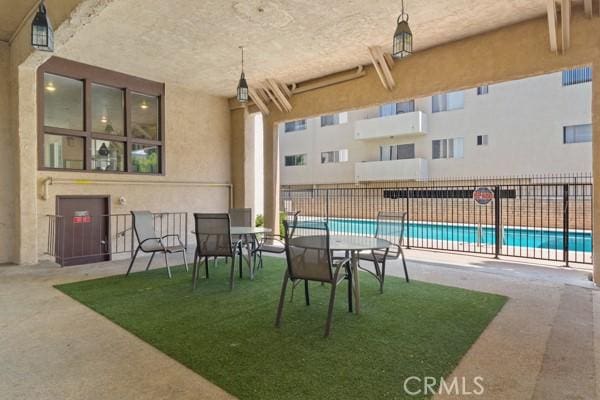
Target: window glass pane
<point x="145" y="158"/>
<point x="63" y="151"/>
<point x="107" y="110"/>
<point x="294" y="126"/>
<point x="435" y="149"/>
<point x="406" y="151"/>
<point x="327" y="120"/>
<point x="458" y="147"/>
<point x="577" y="133"/>
<point x="577" y="75"/>
<point x="387" y="109"/>
<point x="437" y="103"/>
<point x="481" y="90"/>
<point x="144" y="116"/>
<point x="405" y="107"/>
<point x="108" y="155"/>
<point x="63" y="102"/>
<point x="455" y="100"/>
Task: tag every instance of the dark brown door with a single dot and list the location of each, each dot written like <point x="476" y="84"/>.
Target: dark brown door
<point x="86" y="229"/>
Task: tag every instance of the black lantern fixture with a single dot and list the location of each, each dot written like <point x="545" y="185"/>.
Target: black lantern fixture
<point x="42" y="35"/>
<point x="402" y="37"/>
<point x="242" y="89"/>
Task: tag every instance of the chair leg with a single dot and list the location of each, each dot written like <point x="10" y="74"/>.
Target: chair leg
<point x="232" y="274"/>
<point x="206" y="266"/>
<point x="133" y="260"/>
<point x="194" y="276"/>
<point x="281" y="299"/>
<point x="185" y="261"/>
<point x="150" y="262"/>
<point x="404" y="265"/>
<point x="167" y="264"/>
<point x="382" y="279"/>
<point x="306" y="295"/>
<point x="330" y="310"/>
<point x="240" y="248"/>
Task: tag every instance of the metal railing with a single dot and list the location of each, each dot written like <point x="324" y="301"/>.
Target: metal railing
<point x="100" y="237"/>
<point x="531" y="218"/>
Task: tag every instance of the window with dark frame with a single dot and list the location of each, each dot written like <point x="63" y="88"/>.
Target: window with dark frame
<point x="577" y="134"/>
<point x="92" y="119"/>
<point x="482" y="140"/>
<point x="295" y="160"/>
<point x="482" y="90"/>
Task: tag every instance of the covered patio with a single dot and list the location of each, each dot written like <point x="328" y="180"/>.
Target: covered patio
<point x="154" y="120"/>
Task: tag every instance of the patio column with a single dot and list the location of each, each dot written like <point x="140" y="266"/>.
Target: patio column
<point x="238" y="155"/>
<point x="271" y="177"/>
<point x="596" y="167"/>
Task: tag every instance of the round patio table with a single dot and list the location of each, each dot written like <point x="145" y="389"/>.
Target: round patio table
<point x="353" y="244"/>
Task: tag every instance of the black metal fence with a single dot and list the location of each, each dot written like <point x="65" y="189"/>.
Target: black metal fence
<point x="548" y="218"/>
<point x="103" y="236"/>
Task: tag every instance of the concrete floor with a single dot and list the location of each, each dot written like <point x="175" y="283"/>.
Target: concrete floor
<point x="540" y="346"/>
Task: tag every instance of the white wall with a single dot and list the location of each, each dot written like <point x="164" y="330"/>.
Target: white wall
<point x="523" y="119"/>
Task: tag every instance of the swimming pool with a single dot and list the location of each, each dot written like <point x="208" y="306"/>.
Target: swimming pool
<point x="420" y="233"/>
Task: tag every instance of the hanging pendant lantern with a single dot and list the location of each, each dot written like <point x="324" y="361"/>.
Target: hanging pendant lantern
<point x="42" y="35"/>
<point x="402" y="37"/>
<point x="242" y="89"/>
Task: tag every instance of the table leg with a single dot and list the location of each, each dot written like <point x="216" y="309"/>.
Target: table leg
<point x="350" y="289"/>
<point x="356" y="283"/>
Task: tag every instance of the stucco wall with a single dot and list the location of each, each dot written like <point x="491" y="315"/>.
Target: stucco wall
<point x="197" y="151"/>
<point x="7" y="147"/>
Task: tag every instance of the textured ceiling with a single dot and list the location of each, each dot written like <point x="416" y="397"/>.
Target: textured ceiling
<point x="12" y="12"/>
<point x="195" y="43"/>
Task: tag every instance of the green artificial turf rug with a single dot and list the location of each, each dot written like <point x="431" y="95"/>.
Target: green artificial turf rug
<point x="412" y="329"/>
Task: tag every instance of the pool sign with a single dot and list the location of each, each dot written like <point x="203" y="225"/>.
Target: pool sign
<point x="483" y="195"/>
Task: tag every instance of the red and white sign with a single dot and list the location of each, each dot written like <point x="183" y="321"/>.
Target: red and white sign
<point x="483" y="195"/>
<point x="82" y="217"/>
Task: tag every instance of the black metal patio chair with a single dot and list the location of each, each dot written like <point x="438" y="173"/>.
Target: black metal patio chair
<point x="307" y="264"/>
<point x="213" y="239"/>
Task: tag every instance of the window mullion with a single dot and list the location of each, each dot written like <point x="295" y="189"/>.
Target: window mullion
<point x="87" y="123"/>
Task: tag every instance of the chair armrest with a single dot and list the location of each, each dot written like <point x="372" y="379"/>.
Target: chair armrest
<point x="174" y="235"/>
<point x="159" y="240"/>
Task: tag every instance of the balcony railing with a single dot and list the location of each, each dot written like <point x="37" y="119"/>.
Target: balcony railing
<point x="411" y="169"/>
<point x="411" y="123"/>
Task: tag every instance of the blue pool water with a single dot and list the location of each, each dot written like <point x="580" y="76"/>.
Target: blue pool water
<point x="518" y="237"/>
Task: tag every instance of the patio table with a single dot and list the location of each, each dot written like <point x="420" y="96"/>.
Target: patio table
<point x="353" y="244"/>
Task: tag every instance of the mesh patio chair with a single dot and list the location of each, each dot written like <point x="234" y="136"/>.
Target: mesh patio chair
<point x="242" y="217"/>
<point x="150" y="242"/>
<point x="274" y="244"/>
<point x="304" y="264"/>
<point x="390" y="227"/>
<point x="213" y="239"/>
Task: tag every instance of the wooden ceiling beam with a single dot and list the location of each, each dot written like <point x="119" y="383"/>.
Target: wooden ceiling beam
<point x="258" y="101"/>
<point x="565" y="24"/>
<point x="378" y="70"/>
<point x="279" y="95"/>
<point x="552" y="23"/>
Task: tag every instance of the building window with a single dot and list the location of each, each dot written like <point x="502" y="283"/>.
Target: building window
<point x="295" y="160"/>
<point x="397" y="152"/>
<point x="294" y="126"/>
<point x="481" y="90"/>
<point x="98" y="120"/>
<point x="577" y="134"/>
<point x="447" y="148"/>
<point x="336" y="156"/>
<point x="577" y="75"/>
<point x="387" y="110"/>
<point x="448" y="101"/>
<point x="334" y="119"/>
<point x="482" y="140"/>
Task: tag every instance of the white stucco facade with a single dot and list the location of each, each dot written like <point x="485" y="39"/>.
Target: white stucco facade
<point x="524" y="122"/>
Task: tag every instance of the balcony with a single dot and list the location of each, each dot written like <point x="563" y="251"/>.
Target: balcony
<point x="412" y="123"/>
<point x="411" y="169"/>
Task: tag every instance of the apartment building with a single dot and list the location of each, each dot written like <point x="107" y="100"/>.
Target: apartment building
<point x="537" y="125"/>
